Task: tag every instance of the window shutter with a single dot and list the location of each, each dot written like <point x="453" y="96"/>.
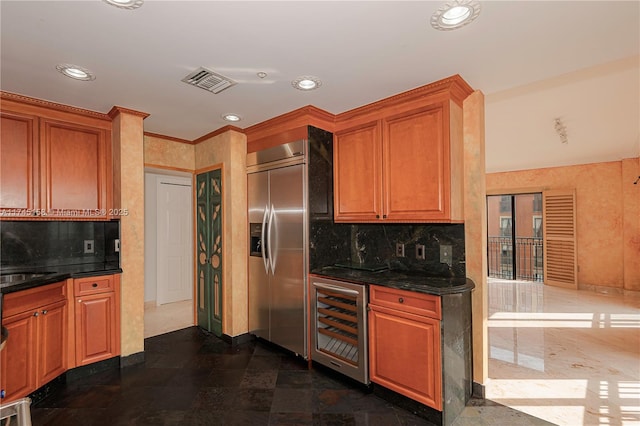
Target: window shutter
<point x="559" y="225"/>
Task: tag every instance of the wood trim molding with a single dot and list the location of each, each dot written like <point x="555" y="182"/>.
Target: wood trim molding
<point x="168" y="138"/>
<point x="455" y="87"/>
<point x="116" y="110"/>
<point x="217" y="132"/>
<point x="159" y="167"/>
<point x="307" y="115"/>
<point x="7" y="96"/>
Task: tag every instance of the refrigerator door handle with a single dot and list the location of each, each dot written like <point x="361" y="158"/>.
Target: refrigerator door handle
<point x="265" y="250"/>
<point x="273" y="234"/>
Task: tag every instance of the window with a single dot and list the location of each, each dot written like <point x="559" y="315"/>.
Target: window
<point x="505" y="226"/>
<point x="537" y="226"/>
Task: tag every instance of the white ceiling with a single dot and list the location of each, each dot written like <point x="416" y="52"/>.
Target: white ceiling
<point x="518" y="53"/>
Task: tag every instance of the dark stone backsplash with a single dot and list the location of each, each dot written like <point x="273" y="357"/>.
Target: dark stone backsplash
<point x="373" y="244"/>
<point x="33" y="244"/>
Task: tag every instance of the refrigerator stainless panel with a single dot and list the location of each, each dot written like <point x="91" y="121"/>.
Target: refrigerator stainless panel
<point x="259" y="305"/>
<point x="288" y="258"/>
<point x="292" y="150"/>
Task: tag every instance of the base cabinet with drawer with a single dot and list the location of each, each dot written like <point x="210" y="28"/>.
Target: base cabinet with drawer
<point x="36" y="349"/>
<point x="97" y="318"/>
<point x="404" y="343"/>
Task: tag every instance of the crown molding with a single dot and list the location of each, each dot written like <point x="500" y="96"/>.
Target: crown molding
<point x="8" y="96"/>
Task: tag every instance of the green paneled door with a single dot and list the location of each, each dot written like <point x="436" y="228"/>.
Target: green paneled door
<point x="209" y="245"/>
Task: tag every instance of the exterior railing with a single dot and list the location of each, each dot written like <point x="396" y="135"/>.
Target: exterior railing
<point x="528" y="259"/>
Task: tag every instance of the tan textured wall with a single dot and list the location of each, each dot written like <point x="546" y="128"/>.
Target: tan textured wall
<point x="606" y="216"/>
<point x="631" y="223"/>
<point x="128" y="141"/>
<point x="230" y="149"/>
<point x="168" y="153"/>
<point x="475" y="227"/>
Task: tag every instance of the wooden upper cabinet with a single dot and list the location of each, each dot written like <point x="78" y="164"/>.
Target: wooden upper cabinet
<point x="416" y="166"/>
<point x="399" y="169"/>
<point x="401" y="159"/>
<point x="18" y="162"/>
<point x="55" y="161"/>
<point x="357" y="166"/>
<point x="74" y="158"/>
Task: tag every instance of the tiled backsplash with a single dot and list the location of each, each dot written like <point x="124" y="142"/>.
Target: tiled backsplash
<point x="56" y="243"/>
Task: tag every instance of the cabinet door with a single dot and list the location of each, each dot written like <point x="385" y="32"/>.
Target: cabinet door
<point x="404" y="354"/>
<point x="358" y="174"/>
<point x="17" y="372"/>
<point x="52" y="342"/>
<point x="18" y="164"/>
<point x="75" y="169"/>
<point x="96" y="333"/>
<point x="416" y="166"/>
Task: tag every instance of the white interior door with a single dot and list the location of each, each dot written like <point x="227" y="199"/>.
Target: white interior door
<point x="174" y="247"/>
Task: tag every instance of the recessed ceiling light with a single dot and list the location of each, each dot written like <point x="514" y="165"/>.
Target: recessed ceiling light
<point x="455" y="14"/>
<point x="75" y="72"/>
<point x="125" y="4"/>
<point x="306" y="83"/>
<point x="232" y="117"/>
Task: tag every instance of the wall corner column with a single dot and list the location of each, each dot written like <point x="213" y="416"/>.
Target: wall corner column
<point x="631" y="223"/>
<point x="128" y="196"/>
<point x="475" y="227"/>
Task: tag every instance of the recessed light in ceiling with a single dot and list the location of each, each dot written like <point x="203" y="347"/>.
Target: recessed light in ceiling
<point x="306" y="82"/>
<point x="232" y="117"/>
<point x="75" y="72"/>
<point x="125" y="4"/>
<point x="455" y="14"/>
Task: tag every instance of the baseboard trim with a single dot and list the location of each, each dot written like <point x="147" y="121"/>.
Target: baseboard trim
<point x="237" y="340"/>
<point x="133" y="359"/>
<point x="478" y="390"/>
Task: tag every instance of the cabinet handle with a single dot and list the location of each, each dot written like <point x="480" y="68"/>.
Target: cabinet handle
<point x="384" y="216"/>
<point x="94" y="285"/>
<point x="44" y="312"/>
<point x="377" y="216"/>
<point x="35" y="314"/>
<point x="79" y="300"/>
<point x="400" y="299"/>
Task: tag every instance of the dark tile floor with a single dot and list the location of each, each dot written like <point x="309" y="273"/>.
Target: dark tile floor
<point x="193" y="378"/>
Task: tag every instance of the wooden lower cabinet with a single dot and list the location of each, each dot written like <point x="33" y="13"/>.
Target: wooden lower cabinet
<point x="404" y="347"/>
<point x="36" y="349"/>
<point x="97" y="318"/>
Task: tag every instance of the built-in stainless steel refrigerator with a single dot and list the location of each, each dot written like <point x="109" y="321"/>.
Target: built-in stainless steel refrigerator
<point x="278" y="239"/>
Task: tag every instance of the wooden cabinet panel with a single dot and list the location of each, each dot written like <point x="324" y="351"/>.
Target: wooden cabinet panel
<point x="416" y="166"/>
<point x="17" y="375"/>
<point x="97" y="318"/>
<point x="407" y="301"/>
<point x="405" y="354"/>
<point x="52" y="346"/>
<point x="18" y="162"/>
<point x="358" y="174"/>
<point x="36" y="349"/>
<point x="95" y="328"/>
<point x="54" y="164"/>
<point x="74" y="169"/>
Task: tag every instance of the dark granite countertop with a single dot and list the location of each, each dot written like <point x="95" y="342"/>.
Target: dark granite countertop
<point x="53" y="274"/>
<point x="402" y="280"/>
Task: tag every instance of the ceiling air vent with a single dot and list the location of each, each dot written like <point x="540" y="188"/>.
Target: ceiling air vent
<point x="208" y="80"/>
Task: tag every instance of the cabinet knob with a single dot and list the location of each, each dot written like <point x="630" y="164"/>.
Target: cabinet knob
<point x="44" y="312"/>
<point x="384" y="216"/>
<point x="377" y="216"/>
<point x="94" y="285"/>
<point x="35" y="314"/>
<point x="400" y="299"/>
<point x="79" y="300"/>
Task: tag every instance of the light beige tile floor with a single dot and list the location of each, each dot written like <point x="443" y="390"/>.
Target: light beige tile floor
<point x="166" y="318"/>
<point x="571" y="357"/>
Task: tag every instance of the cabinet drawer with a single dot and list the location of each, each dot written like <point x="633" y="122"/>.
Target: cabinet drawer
<point x="406" y="301"/>
<point x="92" y="285"/>
<point x="33" y="298"/>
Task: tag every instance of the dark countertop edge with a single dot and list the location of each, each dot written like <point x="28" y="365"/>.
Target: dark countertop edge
<point x="56" y="277"/>
<point x="409" y="284"/>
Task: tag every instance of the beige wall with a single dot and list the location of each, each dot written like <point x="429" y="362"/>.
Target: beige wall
<point x="167" y="153"/>
<point x="230" y="150"/>
<point x="607" y="206"/>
